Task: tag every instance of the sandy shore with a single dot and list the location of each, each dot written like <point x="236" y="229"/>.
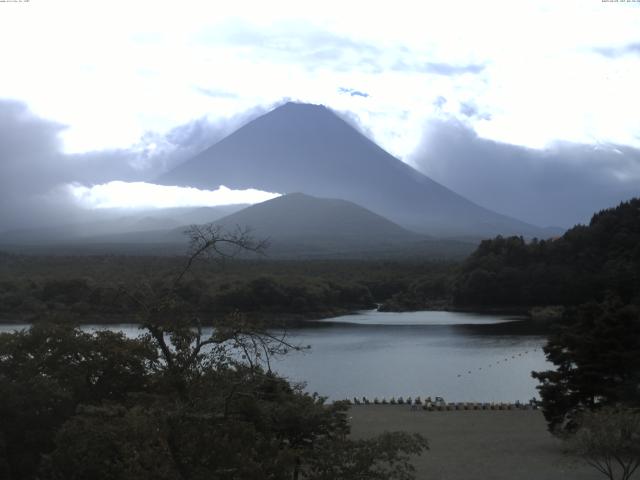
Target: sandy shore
<point x="477" y="445"/>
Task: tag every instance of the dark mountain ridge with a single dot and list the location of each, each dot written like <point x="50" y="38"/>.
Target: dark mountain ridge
<point x="301" y="216"/>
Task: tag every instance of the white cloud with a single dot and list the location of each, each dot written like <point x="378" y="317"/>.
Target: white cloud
<point x="139" y="195"/>
<point x="112" y="71"/>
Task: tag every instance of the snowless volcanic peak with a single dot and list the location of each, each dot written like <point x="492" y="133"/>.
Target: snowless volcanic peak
<point x="307" y="148"/>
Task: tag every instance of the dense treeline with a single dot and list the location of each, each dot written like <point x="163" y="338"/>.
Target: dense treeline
<point x="582" y="265"/>
<point x="432" y="290"/>
<point x="100" y="287"/>
<point x="585" y="264"/>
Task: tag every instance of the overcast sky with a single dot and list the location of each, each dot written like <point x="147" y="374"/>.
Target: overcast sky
<point x="543" y="93"/>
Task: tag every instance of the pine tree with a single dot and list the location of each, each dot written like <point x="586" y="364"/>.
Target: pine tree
<point x="596" y="351"/>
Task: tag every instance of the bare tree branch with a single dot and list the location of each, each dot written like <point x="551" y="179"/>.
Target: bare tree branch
<point x="181" y="342"/>
<point x="209" y="237"/>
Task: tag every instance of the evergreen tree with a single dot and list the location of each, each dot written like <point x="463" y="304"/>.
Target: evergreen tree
<point x="596" y="352"/>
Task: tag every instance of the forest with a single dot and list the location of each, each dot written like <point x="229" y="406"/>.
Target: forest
<point x="95" y="288"/>
<point x="587" y="263"/>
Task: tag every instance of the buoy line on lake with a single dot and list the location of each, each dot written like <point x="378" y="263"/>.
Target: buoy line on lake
<point x="500" y="362"/>
<point x="439" y="404"/>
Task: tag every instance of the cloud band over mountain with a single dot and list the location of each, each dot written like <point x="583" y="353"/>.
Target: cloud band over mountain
<point x="41" y="185"/>
<point x="560" y="185"/>
<point x="136" y="195"/>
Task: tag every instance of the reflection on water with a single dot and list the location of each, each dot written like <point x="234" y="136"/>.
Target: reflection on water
<point x="423" y="360"/>
<point x="459" y="356"/>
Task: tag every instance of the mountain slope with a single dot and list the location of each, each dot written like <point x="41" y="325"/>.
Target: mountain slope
<point x="296" y="225"/>
<point x="300" y="216"/>
<point x="301" y="225"/>
<point x="307" y="148"/>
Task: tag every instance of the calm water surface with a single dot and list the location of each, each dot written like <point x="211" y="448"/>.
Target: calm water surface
<point x="459" y="356"/>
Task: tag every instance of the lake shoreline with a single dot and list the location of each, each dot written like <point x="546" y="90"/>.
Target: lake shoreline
<point x="269" y="319"/>
<point x="525" y="326"/>
<point x="535" y="321"/>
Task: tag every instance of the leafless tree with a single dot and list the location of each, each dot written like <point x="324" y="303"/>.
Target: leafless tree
<point x="181" y="341"/>
<point x="609" y="440"/>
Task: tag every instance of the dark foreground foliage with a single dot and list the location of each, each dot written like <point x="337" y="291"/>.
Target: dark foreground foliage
<point x="174" y="403"/>
<point x="596" y="353"/>
<point x="75" y="405"/>
<point x="609" y="441"/>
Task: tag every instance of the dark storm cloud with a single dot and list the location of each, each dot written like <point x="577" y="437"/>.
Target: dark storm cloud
<point x="616" y="52"/>
<point x="28" y="148"/>
<point x="33" y="167"/>
<point x="353" y="93"/>
<point x="29" y="167"/>
<point x="560" y="186"/>
<point x="29" y="153"/>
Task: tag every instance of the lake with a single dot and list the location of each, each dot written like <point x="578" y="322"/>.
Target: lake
<point x="458" y="356"/>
